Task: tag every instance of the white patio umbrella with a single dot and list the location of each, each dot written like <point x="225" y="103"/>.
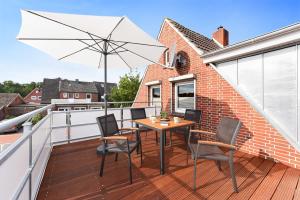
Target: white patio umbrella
<point x="99" y="41"/>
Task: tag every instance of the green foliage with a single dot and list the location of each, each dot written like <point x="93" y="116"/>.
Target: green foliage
<point x="22" y="89"/>
<point x="36" y="118"/>
<point x="163" y="115"/>
<point x="127" y="88"/>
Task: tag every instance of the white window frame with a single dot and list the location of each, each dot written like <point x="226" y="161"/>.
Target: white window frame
<point x="65" y="95"/>
<point x="76" y="95"/>
<point x="87" y="95"/>
<point x="182" y="110"/>
<point x="167" y="57"/>
<point x="33" y="98"/>
<point x="95" y="108"/>
<point x="79" y="108"/>
<point x="150" y="94"/>
<point x="64" y="109"/>
<point x="39" y="98"/>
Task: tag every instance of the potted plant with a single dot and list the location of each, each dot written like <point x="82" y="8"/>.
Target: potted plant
<point x="163" y="115"/>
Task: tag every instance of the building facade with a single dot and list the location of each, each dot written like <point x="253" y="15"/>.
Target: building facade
<point x="68" y="91"/>
<point x="254" y="81"/>
<point x="8" y="100"/>
<point x="34" y="97"/>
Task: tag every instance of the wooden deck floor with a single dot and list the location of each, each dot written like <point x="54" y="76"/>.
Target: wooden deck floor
<point x="72" y="173"/>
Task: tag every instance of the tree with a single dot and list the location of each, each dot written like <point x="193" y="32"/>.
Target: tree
<point x="22" y="89"/>
<point x="126" y="89"/>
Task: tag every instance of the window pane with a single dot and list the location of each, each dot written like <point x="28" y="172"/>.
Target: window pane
<point x="280" y="88"/>
<point x="156" y="92"/>
<point x="250" y="78"/>
<point x="228" y="71"/>
<point x="185" y="96"/>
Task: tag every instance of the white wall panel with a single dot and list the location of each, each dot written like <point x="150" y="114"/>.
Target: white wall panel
<point x="280" y="88"/>
<point x="250" y="74"/>
<point x="228" y="70"/>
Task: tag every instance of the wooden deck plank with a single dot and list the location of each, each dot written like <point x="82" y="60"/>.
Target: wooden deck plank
<point x="297" y="191"/>
<point x="249" y="186"/>
<point x="287" y="186"/>
<point x="73" y="173"/>
<point x="267" y="188"/>
<point x="227" y="189"/>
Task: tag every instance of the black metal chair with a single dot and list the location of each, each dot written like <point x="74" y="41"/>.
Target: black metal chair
<point x="192" y="115"/>
<point x="115" y="142"/>
<point x="140" y="113"/>
<point x="225" y="137"/>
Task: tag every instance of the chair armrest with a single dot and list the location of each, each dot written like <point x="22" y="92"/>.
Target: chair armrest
<point x="220" y="144"/>
<point x="114" y="138"/>
<point x="129" y="129"/>
<point x="201" y="131"/>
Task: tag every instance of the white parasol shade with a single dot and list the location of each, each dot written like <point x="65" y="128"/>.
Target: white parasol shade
<point x="99" y="41"/>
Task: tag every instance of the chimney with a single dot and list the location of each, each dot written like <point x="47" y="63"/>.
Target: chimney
<point x="221" y="36"/>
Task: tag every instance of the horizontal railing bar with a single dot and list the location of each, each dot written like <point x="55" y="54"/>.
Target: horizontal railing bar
<point x="22" y="184"/>
<point x="75" y="139"/>
<point x="17" y="120"/>
<point x="14" y="146"/>
<point x="40" y="152"/>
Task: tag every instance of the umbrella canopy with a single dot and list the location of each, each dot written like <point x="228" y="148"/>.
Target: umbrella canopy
<point x="99" y="41"/>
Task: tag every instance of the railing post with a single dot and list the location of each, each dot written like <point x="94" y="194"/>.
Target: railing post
<point x="68" y="122"/>
<point x="122" y="117"/>
<point x="27" y="127"/>
<point x="49" y="112"/>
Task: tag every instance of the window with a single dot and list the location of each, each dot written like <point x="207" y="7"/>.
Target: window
<point x="39" y="97"/>
<point x="65" y="95"/>
<point x="167" y="57"/>
<point x="96" y="108"/>
<point x="33" y="97"/>
<point x="64" y="109"/>
<point x="88" y="95"/>
<point x="76" y="95"/>
<point x="184" y="96"/>
<point x="155" y="95"/>
<point x="79" y="108"/>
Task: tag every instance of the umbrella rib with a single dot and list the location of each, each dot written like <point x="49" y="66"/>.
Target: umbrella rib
<point x="96" y="43"/>
<point x="138" y="55"/>
<point x="137" y="43"/>
<point x="78" y="29"/>
<point x="121" y="58"/>
<point x="109" y="36"/>
<point x="118" y="46"/>
<point x="57" y="39"/>
<point x="91" y="46"/>
<point x="79" y="50"/>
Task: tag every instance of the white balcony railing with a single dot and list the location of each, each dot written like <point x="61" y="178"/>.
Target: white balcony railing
<point x="23" y="163"/>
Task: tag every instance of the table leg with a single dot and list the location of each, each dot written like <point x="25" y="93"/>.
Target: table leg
<point x="162" y="151"/>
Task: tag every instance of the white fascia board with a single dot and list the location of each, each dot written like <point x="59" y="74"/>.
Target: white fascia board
<point x="262" y="43"/>
<point x="199" y="51"/>
<point x="156" y="82"/>
<point x="182" y="78"/>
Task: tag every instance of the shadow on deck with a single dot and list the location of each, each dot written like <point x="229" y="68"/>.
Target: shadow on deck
<point x="73" y="173"/>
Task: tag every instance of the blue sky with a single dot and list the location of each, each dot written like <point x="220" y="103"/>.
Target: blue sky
<point x="244" y="20"/>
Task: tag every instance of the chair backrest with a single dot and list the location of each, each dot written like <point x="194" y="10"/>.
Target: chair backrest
<point x="138" y="113"/>
<point x="193" y="115"/>
<point x="112" y="125"/>
<point x="227" y="130"/>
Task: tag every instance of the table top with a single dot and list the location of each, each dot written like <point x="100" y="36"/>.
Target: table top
<point x="157" y="126"/>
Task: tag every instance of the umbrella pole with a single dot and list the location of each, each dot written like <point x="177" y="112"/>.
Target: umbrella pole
<point x="105" y="77"/>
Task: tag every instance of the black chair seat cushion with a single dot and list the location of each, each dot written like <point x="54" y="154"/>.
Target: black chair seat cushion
<point x="208" y="152"/>
<point x="118" y="147"/>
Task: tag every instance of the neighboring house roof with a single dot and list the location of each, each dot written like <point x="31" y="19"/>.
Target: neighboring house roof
<point x="197" y="39"/>
<point x="32" y="91"/>
<point x="77" y="86"/>
<point x="6" y="99"/>
<point x="52" y="87"/>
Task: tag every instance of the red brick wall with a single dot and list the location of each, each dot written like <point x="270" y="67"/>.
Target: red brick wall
<point x="82" y="95"/>
<point x="216" y="98"/>
<point x="36" y="92"/>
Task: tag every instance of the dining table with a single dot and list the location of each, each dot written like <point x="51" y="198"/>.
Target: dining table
<point x="162" y="126"/>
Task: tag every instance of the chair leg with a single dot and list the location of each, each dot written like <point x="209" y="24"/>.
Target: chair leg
<point x="218" y="162"/>
<point x="156" y="137"/>
<point x="116" y="157"/>
<point x="130" y="168"/>
<point x="231" y="166"/>
<point x="170" y="138"/>
<point x="102" y="164"/>
<point x="141" y="152"/>
<point x="195" y="173"/>
<point x="146" y="133"/>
